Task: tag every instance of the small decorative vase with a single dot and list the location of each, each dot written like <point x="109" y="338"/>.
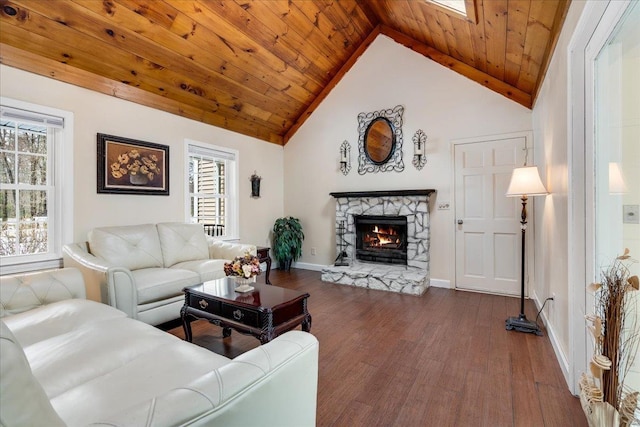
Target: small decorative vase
<point x="243" y="284"/>
<point x="138" y="179"/>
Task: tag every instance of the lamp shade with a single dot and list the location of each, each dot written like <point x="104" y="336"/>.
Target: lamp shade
<point x="526" y="181"/>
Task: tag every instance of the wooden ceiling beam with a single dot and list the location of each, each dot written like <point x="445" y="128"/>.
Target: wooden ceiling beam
<point x="329" y="87"/>
<point x="459" y="67"/>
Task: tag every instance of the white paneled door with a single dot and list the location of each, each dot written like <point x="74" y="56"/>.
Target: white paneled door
<point x="488" y="235"/>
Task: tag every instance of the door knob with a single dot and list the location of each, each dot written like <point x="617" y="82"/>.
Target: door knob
<point x="460" y="222"/>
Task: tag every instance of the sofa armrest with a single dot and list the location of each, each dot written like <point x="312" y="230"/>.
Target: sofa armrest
<point x="93" y="269"/>
<point x="104" y="282"/>
<point x="278" y="381"/>
<point x="24" y="292"/>
<point x="219" y="249"/>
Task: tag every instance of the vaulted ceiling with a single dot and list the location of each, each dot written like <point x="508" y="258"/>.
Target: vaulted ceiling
<point x="261" y="67"/>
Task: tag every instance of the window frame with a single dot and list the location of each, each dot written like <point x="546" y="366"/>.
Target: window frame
<point x="232" y="183"/>
<point x="60" y="165"/>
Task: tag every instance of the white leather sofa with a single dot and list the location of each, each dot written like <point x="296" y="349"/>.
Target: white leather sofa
<point x="69" y="361"/>
<point x="142" y="269"/>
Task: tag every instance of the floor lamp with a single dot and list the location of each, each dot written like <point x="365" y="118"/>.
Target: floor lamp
<point x="525" y="181"/>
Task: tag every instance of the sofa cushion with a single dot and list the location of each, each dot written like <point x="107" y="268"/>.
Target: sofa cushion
<point x="24" y="292"/>
<point x="132" y="247"/>
<point x="182" y="242"/>
<point x="22" y="399"/>
<point x="58" y="318"/>
<point x="155" y="284"/>
<point x="209" y="269"/>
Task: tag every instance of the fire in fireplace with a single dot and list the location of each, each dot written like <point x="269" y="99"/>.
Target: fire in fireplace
<point x="381" y="238"/>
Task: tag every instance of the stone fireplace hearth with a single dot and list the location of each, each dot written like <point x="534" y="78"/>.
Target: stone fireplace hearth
<point x="412" y="278"/>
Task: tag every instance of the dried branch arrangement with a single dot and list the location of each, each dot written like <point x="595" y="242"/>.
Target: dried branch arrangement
<point x="614" y="327"/>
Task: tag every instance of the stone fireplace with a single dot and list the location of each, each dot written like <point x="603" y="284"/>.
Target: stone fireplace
<point x="395" y="256"/>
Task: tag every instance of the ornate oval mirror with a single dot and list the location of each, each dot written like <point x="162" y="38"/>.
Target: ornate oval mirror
<point x="379" y="140"/>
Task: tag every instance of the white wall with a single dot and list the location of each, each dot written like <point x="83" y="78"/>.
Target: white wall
<point x="445" y="105"/>
<point x="97" y="113"/>
<point x="550" y="127"/>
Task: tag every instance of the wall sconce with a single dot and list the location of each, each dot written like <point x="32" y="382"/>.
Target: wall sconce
<point x="345" y="158"/>
<point x="419" y="145"/>
<point x="255" y="185"/>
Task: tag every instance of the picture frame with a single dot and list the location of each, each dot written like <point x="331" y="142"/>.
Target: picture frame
<point x="129" y="166"/>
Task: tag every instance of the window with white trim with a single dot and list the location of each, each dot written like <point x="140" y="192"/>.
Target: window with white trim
<point x="32" y="173"/>
<point x="212" y="189"/>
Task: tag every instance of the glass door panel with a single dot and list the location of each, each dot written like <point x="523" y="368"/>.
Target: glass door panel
<point x="617" y="152"/>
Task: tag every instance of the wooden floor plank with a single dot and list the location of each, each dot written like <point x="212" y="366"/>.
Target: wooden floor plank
<point x="474" y="390"/>
<point x="442" y="359"/>
<point x="526" y="405"/>
<point x="556" y="408"/>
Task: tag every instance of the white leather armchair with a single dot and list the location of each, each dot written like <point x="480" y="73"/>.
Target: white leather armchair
<point x="142" y="269"/>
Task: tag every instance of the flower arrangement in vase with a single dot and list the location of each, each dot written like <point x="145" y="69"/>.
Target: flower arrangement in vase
<point x="605" y="398"/>
<point x="244" y="269"/>
<point x="141" y="167"/>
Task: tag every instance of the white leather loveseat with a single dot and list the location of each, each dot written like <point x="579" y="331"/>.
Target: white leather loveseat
<point x="65" y="360"/>
<point x="142" y="269"/>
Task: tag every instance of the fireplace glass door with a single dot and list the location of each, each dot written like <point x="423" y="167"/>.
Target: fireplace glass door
<point x="381" y="238"/>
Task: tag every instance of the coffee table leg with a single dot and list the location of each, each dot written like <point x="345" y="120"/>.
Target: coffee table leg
<point x="266" y="278"/>
<point x="186" y="323"/>
<point x="226" y="332"/>
<point x="266" y="336"/>
<point x="306" y="323"/>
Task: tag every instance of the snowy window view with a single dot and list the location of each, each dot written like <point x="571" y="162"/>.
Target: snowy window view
<point x="24" y="189"/>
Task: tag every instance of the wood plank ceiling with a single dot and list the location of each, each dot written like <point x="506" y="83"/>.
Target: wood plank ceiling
<point x="261" y="67"/>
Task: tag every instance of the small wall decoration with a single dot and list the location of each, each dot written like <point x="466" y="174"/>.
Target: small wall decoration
<point x="255" y="185"/>
<point x="345" y="158"/>
<point x="380" y="141"/>
<point x="129" y="166"/>
<point x="419" y="152"/>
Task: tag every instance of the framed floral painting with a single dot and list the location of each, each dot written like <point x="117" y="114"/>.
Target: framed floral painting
<point x="128" y="166"/>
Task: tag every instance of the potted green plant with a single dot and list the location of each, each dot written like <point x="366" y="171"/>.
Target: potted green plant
<point x="287" y="241"/>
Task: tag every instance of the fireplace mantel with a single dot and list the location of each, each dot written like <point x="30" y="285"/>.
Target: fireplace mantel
<point x="383" y="193"/>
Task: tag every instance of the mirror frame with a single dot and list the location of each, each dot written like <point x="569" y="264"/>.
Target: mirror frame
<point x="393" y="162"/>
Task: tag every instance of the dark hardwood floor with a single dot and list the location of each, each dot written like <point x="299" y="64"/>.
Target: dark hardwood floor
<point x="442" y="359"/>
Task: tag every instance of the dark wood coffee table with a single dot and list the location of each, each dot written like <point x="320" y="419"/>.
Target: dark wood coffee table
<point x="265" y="312"/>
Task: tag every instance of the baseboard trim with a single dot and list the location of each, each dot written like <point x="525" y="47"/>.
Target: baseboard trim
<point x="563" y="360"/>
<point x="440" y="283"/>
<point x="308" y="266"/>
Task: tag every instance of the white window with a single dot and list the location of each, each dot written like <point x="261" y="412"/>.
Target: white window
<point x="35" y="164"/>
<point x="212" y="189"/>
